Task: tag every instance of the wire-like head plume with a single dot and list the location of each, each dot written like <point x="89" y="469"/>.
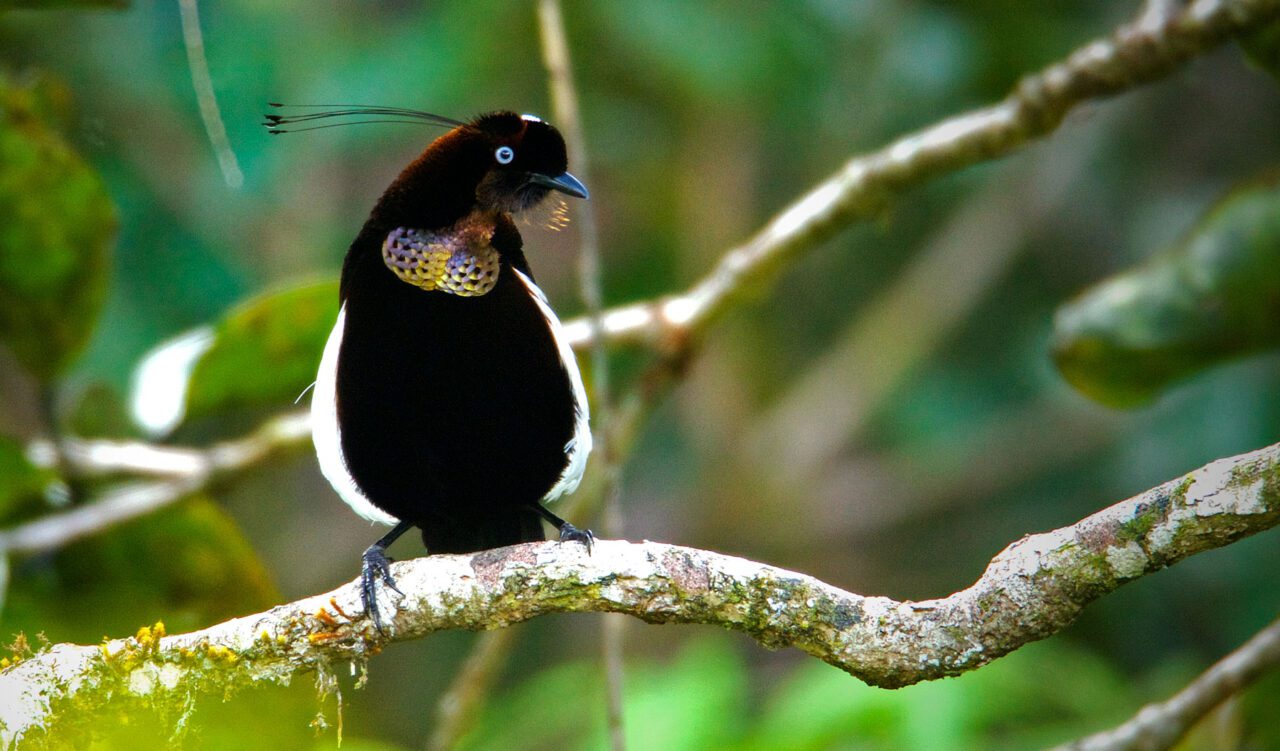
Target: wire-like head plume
<point x="275" y="124"/>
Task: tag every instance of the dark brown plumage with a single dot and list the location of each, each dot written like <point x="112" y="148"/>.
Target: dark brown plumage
<point x="447" y="399"/>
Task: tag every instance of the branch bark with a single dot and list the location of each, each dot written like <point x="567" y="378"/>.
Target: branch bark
<point x="1032" y="589"/>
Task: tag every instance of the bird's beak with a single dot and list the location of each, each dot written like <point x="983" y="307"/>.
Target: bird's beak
<point x="563" y="182"/>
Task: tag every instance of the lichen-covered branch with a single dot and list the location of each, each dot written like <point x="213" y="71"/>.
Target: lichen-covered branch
<point x="1160" y="726"/>
<point x="1032" y="589"/>
<point x="1144" y="51"/>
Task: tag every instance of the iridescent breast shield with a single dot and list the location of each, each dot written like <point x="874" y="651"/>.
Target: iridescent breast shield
<point x="460" y="262"/>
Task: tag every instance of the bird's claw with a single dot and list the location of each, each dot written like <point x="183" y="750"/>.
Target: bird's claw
<point x="375" y="565"/>
<point x="570" y="533"/>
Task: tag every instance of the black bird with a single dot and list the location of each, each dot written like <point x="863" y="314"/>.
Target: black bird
<point x="448" y="398"/>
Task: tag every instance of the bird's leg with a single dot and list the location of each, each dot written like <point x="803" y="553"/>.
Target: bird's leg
<point x="568" y="532"/>
<point x="376" y="565"/>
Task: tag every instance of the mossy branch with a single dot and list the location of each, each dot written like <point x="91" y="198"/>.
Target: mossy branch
<point x="1032" y="589"/>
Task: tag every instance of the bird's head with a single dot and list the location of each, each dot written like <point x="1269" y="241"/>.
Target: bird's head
<point x="498" y="161"/>
<point x="523" y="160"/>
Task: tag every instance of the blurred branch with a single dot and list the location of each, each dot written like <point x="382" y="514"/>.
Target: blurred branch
<point x="1134" y="55"/>
<point x="828" y="404"/>
<point x="874" y="493"/>
<point x="462" y="701"/>
<point x="1160" y="726"/>
<point x="1156" y="13"/>
<point x="114" y="507"/>
<point x="193" y="39"/>
<point x="185" y="470"/>
<point x="1032" y="589"/>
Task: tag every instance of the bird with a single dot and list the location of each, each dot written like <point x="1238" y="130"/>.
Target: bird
<point x="447" y="396"/>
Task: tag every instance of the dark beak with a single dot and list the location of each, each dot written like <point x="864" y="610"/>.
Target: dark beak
<point x="563" y="182"/>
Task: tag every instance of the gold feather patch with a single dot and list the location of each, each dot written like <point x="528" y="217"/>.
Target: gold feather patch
<point x="460" y="263"/>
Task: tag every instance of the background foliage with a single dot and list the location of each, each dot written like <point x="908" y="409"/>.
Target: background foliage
<point x="117" y="232"/>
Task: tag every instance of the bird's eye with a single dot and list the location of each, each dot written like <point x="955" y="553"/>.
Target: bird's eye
<point x="504" y="154"/>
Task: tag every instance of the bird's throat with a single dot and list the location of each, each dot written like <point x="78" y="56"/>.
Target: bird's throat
<point x="459" y="260"/>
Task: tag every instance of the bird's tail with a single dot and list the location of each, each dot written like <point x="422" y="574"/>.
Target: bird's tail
<point x="467" y="535"/>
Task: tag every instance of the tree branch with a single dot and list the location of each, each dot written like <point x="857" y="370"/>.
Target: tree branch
<point x="1159" y="726"/>
<point x="185" y="470"/>
<point x="1032" y="589"/>
<point x="1134" y="55"/>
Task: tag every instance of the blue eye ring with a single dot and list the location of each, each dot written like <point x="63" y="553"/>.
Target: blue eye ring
<point x="504" y="154"/>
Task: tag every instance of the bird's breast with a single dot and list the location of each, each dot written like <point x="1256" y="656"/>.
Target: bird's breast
<point x="445" y="402"/>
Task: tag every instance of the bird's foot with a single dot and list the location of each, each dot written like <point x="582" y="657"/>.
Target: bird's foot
<point x="570" y="533"/>
<point x="375" y="565"/>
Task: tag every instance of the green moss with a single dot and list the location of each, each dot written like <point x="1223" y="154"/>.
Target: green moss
<point x="1179" y="494"/>
<point x="1084" y="573"/>
<point x="1145" y="520"/>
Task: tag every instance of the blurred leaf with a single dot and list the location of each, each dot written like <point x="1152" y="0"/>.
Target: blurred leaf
<point x="1260" y="706"/>
<point x="358" y="744"/>
<point x="264" y="717"/>
<point x="700" y="701"/>
<point x="1215" y="297"/>
<point x="532" y="717"/>
<point x="266" y="352"/>
<point x="1263" y="48"/>
<point x="100" y="412"/>
<point x="59" y="4"/>
<point x="188" y="565"/>
<point x="1004" y="705"/>
<point x="56" y="226"/>
<point x="703" y="52"/>
<point x="695" y="702"/>
<point x="20" y="480"/>
<point x="263" y="354"/>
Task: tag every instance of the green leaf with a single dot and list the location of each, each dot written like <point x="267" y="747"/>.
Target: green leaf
<point x="21" y="482"/>
<point x="263" y="354"/>
<point x="1263" y="48"/>
<point x="56" y="227"/>
<point x="1214" y="297"/>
